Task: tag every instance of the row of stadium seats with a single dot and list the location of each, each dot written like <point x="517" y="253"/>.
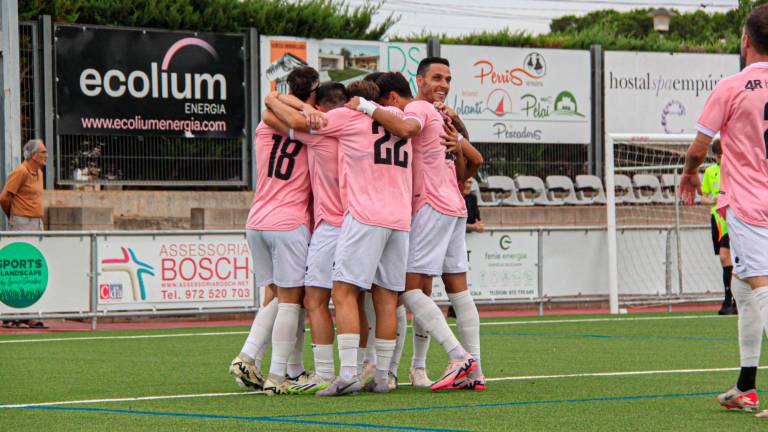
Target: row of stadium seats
<point x="586" y="190"/>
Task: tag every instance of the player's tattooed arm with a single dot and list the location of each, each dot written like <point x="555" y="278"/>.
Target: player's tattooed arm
<point x="403" y="128"/>
<point x="689" y="180"/>
<point x="473" y="157"/>
<point x="457" y="121"/>
<point x="453" y="144"/>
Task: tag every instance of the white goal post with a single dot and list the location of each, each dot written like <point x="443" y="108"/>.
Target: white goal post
<point x="673" y="147"/>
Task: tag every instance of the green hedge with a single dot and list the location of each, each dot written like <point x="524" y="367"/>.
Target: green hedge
<point x="310" y="18"/>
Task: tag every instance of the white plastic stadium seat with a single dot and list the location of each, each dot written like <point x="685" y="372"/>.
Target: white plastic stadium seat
<point x="563" y="185"/>
<point x="502" y="185"/>
<point x="624" y="192"/>
<point x="535" y="186"/>
<point x="594" y="185"/>
<point x="668" y="188"/>
<point x="647" y="188"/>
<point x="480" y="201"/>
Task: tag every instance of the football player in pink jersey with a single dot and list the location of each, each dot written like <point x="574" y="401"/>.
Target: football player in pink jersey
<point x="277" y="231"/>
<point x="738" y="109"/>
<point x="328" y="215"/>
<point x="437" y="243"/>
<point x="371" y="253"/>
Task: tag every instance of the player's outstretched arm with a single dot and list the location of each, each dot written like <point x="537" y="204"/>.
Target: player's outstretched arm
<point x="403" y="128"/>
<point x="286" y="113"/>
<point x="694" y="157"/>
<point x="274" y="122"/>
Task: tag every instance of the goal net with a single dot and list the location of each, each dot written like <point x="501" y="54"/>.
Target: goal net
<point x="660" y="250"/>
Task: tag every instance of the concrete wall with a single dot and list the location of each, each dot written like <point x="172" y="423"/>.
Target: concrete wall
<point x="228" y="210"/>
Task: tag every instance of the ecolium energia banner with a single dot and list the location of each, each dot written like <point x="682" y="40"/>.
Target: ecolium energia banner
<point x="114" y="81"/>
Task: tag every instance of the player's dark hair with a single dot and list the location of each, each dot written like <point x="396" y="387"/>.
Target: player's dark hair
<point x="756" y="27"/>
<point x="717" y="148"/>
<point x="394" y="82"/>
<point x="332" y="95"/>
<point x="429" y="61"/>
<point x="302" y="82"/>
<point x="362" y="88"/>
<point x="373" y="76"/>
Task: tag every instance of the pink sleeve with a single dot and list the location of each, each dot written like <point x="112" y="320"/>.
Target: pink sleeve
<point x="337" y="120"/>
<point x="394" y="110"/>
<point x="715" y="110"/>
<point x="416" y="111"/>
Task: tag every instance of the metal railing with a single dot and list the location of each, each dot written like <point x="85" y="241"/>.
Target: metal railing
<point x="668" y="296"/>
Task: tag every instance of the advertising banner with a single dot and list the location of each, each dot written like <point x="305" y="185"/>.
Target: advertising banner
<point x="47" y="275"/>
<point x="502" y="265"/>
<point x="660" y="93"/>
<point x="521" y="95"/>
<point x="339" y="60"/>
<point x="146" y="82"/>
<point x="174" y="272"/>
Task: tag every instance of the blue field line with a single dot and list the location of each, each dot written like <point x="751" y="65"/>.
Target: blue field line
<point x="278" y="419"/>
<point x="504" y="404"/>
<point x="600" y="336"/>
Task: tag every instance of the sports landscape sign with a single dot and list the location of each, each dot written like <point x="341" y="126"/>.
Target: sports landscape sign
<point x="168" y="272"/>
<point x="44" y="275"/>
<point x="518" y="95"/>
<point x="145" y="82"/>
<point x="660" y="93"/>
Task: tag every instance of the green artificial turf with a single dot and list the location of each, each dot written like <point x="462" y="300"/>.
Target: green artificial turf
<point x="514" y="351"/>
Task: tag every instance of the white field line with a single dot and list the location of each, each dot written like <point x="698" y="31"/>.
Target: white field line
<point x="483" y="324"/>
<point x="512" y="378"/>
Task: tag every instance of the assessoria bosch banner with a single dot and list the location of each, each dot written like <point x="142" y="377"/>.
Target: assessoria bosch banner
<point x="112" y="81"/>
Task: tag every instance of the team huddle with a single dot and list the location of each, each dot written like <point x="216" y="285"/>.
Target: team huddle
<point x="358" y="201"/>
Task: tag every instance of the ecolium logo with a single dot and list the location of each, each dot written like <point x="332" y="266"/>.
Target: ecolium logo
<point x="158" y="83"/>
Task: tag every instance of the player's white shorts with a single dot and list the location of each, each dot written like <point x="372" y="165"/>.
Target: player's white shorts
<point x="279" y="257"/>
<point x="437" y="243"/>
<point x="749" y="247"/>
<point x="322" y="248"/>
<point x="367" y="254"/>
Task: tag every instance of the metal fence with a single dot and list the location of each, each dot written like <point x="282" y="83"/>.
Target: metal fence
<point x="535" y="159"/>
<point x="29" y="80"/>
<point x="151" y="160"/>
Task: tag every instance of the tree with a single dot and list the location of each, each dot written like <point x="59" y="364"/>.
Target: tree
<point x="308" y="18"/>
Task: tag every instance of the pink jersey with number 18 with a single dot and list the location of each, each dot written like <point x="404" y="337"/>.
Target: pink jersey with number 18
<point x="434" y="175"/>
<point x="281" y="201"/>
<point x="374" y="169"/>
<point x="738" y="109"/>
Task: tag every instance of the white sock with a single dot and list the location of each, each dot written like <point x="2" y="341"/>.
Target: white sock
<point x="468" y="323"/>
<point x="429" y="316"/>
<point x="283" y="337"/>
<point x="750" y="324"/>
<point x="296" y="359"/>
<point x="360" y="359"/>
<point x="370" y="314"/>
<point x="402" y="331"/>
<point x="761" y="295"/>
<point x="420" y="345"/>
<point x="384" y="350"/>
<point x="261" y="332"/>
<point x="348" y="343"/>
<point x="259" y="359"/>
<point x="324" y="363"/>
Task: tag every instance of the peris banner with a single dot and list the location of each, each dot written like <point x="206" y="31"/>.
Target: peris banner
<point x="144" y="82"/>
<point x="517" y="95"/>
